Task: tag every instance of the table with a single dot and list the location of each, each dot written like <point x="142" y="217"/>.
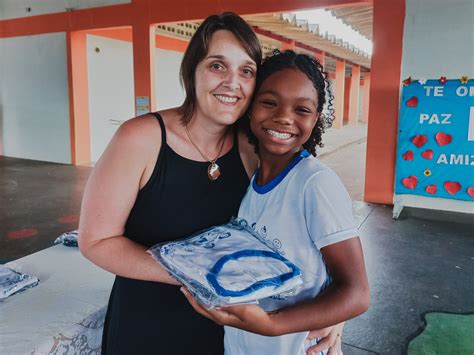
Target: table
<point x="64" y="314"/>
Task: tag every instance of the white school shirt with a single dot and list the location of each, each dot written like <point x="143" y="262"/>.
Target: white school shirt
<point x="305" y="208"/>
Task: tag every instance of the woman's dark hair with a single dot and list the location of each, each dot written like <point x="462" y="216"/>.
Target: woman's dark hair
<point x="314" y="71"/>
<point x="199" y="45"/>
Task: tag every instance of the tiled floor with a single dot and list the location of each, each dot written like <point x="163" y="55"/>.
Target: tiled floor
<point x="422" y="262"/>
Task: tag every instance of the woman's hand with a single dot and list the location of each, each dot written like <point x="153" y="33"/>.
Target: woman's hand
<point x="331" y="339"/>
<point x="249" y="317"/>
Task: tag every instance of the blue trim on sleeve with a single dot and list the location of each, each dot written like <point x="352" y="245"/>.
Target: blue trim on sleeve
<point x="273" y="183"/>
<point x="273" y="281"/>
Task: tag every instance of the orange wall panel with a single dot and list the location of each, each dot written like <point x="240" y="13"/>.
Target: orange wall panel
<point x="321" y="57"/>
<point x="339" y="94"/>
<point x="171" y="44"/>
<point x="288" y="45"/>
<point x="121" y="34"/>
<point x="98" y="17"/>
<point x="78" y="97"/>
<point x="366" y="103"/>
<point x="125" y="34"/>
<point x="347" y="96"/>
<point x="144" y="65"/>
<point x="354" y="95"/>
<point x="384" y="100"/>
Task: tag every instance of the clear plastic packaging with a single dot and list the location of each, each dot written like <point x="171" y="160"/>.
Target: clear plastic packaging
<point x="68" y="239"/>
<point x="229" y="264"/>
<point x="12" y="282"/>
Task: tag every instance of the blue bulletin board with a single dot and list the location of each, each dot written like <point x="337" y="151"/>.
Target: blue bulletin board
<point x="435" y="152"/>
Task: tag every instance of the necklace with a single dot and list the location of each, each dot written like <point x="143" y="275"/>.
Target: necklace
<point x="213" y="170"/>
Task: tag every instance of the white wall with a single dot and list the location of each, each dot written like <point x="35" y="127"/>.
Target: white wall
<point x="18" y="8"/>
<point x="34" y="102"/>
<point x="438" y="39"/>
<point x="169" y="92"/>
<point x="110" y="76"/>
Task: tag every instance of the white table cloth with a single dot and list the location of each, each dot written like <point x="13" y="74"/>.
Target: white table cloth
<point x="64" y="314"/>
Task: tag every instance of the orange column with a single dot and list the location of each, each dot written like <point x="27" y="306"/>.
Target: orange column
<point x="365" y="105"/>
<point x="354" y="95"/>
<point x="290" y="44"/>
<point x="384" y="100"/>
<point x="79" y="126"/>
<point x="347" y="91"/>
<point x="144" y="37"/>
<point x="339" y="93"/>
<point x="321" y="57"/>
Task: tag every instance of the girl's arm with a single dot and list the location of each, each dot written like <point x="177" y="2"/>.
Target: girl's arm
<point x="109" y="196"/>
<point x="346" y="297"/>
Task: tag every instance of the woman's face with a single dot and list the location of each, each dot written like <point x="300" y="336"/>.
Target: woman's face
<point x="225" y="80"/>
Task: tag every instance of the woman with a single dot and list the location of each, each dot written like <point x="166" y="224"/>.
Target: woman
<point x="164" y="177"/>
<point x="152" y="185"/>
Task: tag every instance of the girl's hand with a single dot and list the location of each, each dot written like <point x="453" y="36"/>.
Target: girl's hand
<point x="331" y="339"/>
<point x="248" y="317"/>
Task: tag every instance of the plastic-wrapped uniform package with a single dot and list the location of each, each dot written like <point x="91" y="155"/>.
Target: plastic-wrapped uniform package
<point x="12" y="282"/>
<point x="68" y="239"/>
<point x="228" y="264"/>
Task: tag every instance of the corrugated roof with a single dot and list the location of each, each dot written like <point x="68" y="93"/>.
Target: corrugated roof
<point x="360" y="18"/>
<point x="290" y="26"/>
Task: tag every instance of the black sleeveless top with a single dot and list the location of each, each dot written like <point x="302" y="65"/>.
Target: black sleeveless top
<point x="178" y="200"/>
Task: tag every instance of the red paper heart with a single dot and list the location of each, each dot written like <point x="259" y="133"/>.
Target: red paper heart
<point x="407" y="81"/>
<point x="443" y="138"/>
<point x="431" y="189"/>
<point x="419" y="140"/>
<point x="410" y="182"/>
<point x="413" y="102"/>
<point x="408" y="155"/>
<point x="452" y="187"/>
<point x="427" y="154"/>
<point x="470" y="191"/>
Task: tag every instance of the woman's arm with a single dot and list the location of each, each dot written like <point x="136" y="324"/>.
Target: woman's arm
<point x="346" y="297"/>
<point x="330" y="338"/>
<point x="109" y="196"/>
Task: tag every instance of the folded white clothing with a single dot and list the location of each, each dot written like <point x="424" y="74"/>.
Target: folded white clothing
<point x="229" y="264"/>
<point x="12" y="282"/>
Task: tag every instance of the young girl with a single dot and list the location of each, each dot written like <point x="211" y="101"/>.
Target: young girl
<point x="303" y="206"/>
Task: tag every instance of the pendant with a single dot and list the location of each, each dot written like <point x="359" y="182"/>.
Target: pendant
<point x="213" y="171"/>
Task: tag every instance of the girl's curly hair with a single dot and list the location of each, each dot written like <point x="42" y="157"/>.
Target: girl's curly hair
<point x="315" y="72"/>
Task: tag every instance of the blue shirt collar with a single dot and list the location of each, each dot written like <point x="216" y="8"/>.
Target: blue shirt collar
<point x="277" y="179"/>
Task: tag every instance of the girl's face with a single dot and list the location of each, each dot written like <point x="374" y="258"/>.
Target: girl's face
<point x="225" y="80"/>
<point x="284" y="113"/>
